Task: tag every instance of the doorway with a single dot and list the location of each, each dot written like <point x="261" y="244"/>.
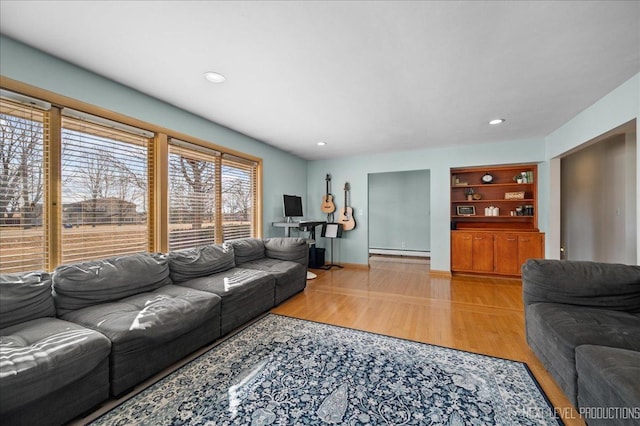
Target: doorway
<point x="598" y="199"/>
<point x="400" y="213"/>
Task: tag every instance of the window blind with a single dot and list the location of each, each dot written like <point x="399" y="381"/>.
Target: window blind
<point x="23" y="140"/>
<point x="104" y="188"/>
<point x="193" y="182"/>
<point x="238" y="197"/>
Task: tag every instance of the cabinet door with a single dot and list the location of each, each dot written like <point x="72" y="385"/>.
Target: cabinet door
<point x="507" y="259"/>
<point x="482" y="252"/>
<point x="530" y="246"/>
<point x="461" y="244"/>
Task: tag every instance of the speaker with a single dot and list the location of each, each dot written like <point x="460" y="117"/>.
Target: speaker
<point x="316" y="257"/>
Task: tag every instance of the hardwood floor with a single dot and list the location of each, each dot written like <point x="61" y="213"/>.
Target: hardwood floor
<point x="401" y="299"/>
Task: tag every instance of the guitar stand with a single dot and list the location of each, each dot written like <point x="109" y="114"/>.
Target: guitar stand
<point x="332" y="265"/>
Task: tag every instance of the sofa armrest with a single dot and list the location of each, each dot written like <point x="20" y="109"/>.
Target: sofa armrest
<point x="608" y="285"/>
<point x="282" y="248"/>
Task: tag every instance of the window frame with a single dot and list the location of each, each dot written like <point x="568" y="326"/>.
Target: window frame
<point x="158" y="220"/>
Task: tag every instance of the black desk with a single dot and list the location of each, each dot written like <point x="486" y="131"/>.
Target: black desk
<point x="303" y="225"/>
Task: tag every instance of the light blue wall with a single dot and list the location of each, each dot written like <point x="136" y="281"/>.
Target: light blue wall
<point x="282" y="172"/>
<point x="353" y="248"/>
<point x="618" y="107"/>
<point x="399" y="210"/>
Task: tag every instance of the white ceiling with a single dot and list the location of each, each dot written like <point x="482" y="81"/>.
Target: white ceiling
<point x="361" y="76"/>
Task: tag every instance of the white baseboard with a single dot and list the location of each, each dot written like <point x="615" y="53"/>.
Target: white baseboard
<point x="391" y="252"/>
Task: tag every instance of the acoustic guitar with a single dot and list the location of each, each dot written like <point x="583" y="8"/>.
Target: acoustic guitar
<point x="346" y="213"/>
<point x="327" y="200"/>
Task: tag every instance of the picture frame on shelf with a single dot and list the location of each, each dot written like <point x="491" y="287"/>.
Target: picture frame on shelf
<point x="465" y="210"/>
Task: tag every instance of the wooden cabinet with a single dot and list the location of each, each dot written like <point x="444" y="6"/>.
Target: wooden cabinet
<point x="507" y="253"/>
<point x="482" y="253"/>
<point x="461" y="246"/>
<point x="494" y="220"/>
<point x="494" y="252"/>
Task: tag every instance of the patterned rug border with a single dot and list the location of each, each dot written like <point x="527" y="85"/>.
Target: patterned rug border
<point x="180" y="365"/>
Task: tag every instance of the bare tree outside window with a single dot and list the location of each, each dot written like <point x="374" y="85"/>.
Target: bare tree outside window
<point x="22" y="239"/>
<point x="21" y="173"/>
<point x="191" y="199"/>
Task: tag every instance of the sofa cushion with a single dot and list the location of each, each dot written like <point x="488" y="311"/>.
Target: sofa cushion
<point x="25" y="297"/>
<point x="43" y="355"/>
<point x="293" y="249"/>
<point x="608" y="377"/>
<point x="291" y="277"/>
<point x="605" y="285"/>
<point x="199" y="262"/>
<point x="555" y="330"/>
<point x="248" y="249"/>
<point x="245" y="294"/>
<point x="85" y="284"/>
<point x="148" y="319"/>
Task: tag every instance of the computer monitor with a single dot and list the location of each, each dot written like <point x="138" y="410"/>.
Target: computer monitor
<point x="292" y="206"/>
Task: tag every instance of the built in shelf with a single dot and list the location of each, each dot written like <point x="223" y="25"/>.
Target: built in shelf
<point x="503" y="217"/>
<point x="489" y="185"/>
<point x="496" y="200"/>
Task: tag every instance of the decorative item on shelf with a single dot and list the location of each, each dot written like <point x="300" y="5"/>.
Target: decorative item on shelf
<point x="477" y="196"/>
<point x="528" y="210"/>
<point x="518" y="195"/>
<point x="517" y="179"/>
<point x="519" y="211"/>
<point x="465" y="210"/>
<point x="523" y="176"/>
<point x="487" y="178"/>
<point x="469" y="193"/>
<point x="492" y="211"/>
<point x="455" y="181"/>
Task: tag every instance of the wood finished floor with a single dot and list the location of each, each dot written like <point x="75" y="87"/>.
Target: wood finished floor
<point x="401" y="299"/>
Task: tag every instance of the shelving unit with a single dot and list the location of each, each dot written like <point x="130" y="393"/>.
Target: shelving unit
<point x="493" y="195"/>
<point x="488" y="244"/>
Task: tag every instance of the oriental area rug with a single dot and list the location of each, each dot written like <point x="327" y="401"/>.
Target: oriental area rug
<point x="287" y="371"/>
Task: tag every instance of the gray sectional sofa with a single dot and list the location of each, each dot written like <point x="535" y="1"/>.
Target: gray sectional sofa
<point x="98" y="328"/>
<point x="583" y="322"/>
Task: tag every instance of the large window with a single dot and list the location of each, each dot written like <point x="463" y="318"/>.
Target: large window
<point x="104" y="188"/>
<point x="238" y="197"/>
<point x="23" y="243"/>
<point x="192" y="195"/>
<point x="212" y="196"/>
<point x="75" y="186"/>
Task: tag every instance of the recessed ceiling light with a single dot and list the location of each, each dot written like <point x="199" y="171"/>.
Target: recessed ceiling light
<point x="321" y="143"/>
<point x="214" y="77"/>
<point x="497" y="121"/>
